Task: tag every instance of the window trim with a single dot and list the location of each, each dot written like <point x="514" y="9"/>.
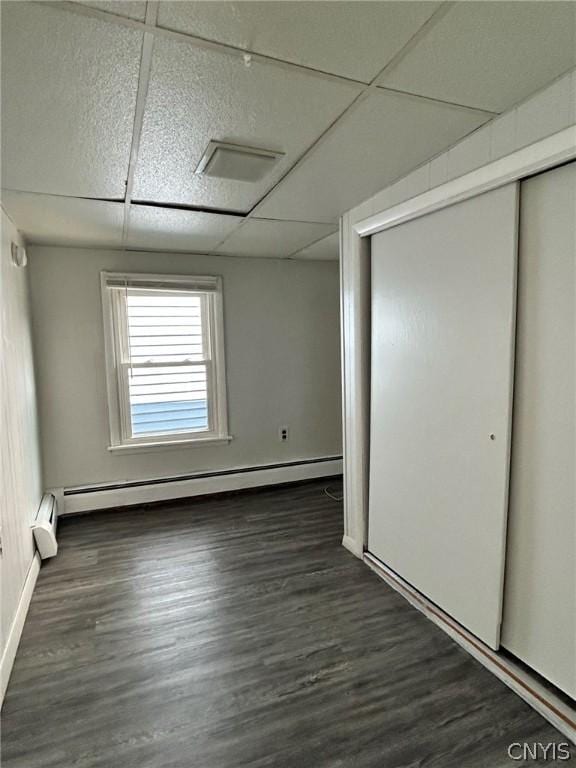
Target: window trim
<point x="117" y="392"/>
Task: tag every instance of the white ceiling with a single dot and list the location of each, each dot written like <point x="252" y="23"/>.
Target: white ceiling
<point x="132" y="9"/>
<point x="265" y="237"/>
<point x="95" y="108"/>
<point x="326" y="249"/>
<point x="71" y="221"/>
<point x="68" y="96"/>
<point x="383" y="138"/>
<point x="169" y="229"/>
<point x="196" y="95"/>
<point x="490" y="54"/>
<point x="351" y="39"/>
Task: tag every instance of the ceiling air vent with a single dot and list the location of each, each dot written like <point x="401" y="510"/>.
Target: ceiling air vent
<point x="233" y="161"/>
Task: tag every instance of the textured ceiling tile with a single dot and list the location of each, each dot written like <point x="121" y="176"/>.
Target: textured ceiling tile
<point x="274" y="239"/>
<point x="350" y="39"/>
<point x="382" y="139"/>
<point x="132" y="9"/>
<point x="177" y="230"/>
<point x="327" y="249"/>
<point x="490" y="54"/>
<point x="69" y="92"/>
<point x="53" y="220"/>
<point x="196" y="95"/>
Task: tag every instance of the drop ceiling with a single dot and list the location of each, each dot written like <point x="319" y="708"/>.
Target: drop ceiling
<point x="326" y="249"/>
<point x="350" y="39"/>
<point x="261" y="237"/>
<point x="68" y="96"/>
<point x="489" y="55"/>
<point x="371" y="146"/>
<point x="132" y="9"/>
<point x="109" y="105"/>
<point x="70" y="221"/>
<point x="196" y="95"/>
<point x="173" y="229"/>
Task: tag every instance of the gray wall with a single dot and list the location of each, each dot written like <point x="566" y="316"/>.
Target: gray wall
<point x="20" y="476"/>
<point x="282" y="355"/>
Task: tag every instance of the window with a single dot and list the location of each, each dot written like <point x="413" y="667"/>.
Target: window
<point x="165" y="359"/>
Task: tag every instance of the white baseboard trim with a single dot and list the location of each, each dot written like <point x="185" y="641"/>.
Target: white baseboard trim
<point x="91" y="498"/>
<point x="539" y="697"/>
<point x="15" y="632"/>
<point x="352" y="546"/>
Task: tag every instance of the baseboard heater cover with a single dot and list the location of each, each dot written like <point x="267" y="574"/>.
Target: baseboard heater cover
<point x="44" y="526"/>
<point x="130" y="492"/>
<point x="195" y="476"/>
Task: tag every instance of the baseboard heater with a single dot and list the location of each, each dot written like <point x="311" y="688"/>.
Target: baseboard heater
<point x="196" y="476"/>
<point x="44" y="526"/>
<point x="149" y="490"/>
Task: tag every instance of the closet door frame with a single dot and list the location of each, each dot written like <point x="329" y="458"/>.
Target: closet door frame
<point x="355" y="304"/>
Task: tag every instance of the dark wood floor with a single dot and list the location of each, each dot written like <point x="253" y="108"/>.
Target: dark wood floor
<point x="235" y="631"/>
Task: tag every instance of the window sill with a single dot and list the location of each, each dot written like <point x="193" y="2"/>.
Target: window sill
<point x="194" y="442"/>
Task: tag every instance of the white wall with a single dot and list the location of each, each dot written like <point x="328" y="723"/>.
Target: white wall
<point x="20" y="479"/>
<point x="282" y="357"/>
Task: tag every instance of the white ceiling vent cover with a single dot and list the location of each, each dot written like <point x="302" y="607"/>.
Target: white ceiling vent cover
<point x="234" y="161"/>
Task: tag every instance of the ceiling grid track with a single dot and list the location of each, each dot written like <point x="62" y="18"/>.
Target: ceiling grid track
<point x="141" y="94"/>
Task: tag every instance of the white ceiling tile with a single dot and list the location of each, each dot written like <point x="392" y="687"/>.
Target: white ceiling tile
<point x="132" y="9"/>
<point x="53" y="220"/>
<point x="382" y="139"/>
<point x="170" y="229"/>
<point x="274" y="239"/>
<point x="350" y="39"/>
<point x="196" y="95"/>
<point x="490" y="54"/>
<point x="327" y="249"/>
<point x="69" y="93"/>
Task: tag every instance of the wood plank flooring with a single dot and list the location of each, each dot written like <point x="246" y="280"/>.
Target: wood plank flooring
<point x="235" y="631"/>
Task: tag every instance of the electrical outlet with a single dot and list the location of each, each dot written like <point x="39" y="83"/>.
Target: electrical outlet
<point x="283" y="434"/>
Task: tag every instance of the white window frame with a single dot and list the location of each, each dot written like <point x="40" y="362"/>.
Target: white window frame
<point x="115" y="335"/>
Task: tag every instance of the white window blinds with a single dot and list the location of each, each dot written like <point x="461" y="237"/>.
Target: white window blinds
<point x="168" y="362"/>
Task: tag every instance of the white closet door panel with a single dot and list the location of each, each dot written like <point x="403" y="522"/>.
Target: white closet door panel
<point x="539" y="621"/>
<point x="443" y="310"/>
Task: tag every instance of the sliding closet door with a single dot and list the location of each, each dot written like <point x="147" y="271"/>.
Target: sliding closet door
<point x="539" y="624"/>
<point x="443" y="309"/>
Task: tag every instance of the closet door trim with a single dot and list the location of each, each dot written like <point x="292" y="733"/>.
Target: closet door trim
<point x="554" y="150"/>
